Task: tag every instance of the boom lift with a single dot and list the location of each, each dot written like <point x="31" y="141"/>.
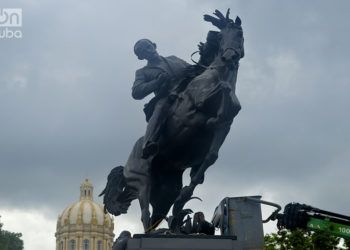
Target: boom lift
<point x="241" y="217"/>
<point x="303" y="216"/>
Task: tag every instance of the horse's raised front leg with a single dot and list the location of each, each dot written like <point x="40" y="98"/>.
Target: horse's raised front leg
<point x="228" y="108"/>
<point x="221" y="131"/>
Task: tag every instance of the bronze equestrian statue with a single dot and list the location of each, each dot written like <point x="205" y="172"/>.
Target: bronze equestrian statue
<point x="189" y="119"/>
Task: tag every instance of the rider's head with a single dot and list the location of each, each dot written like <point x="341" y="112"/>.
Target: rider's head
<point x="145" y="49"/>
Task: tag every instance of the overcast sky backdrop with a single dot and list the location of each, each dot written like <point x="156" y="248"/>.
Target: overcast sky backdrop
<point x="66" y="111"/>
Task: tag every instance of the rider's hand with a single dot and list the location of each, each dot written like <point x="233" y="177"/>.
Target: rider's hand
<point x="163" y="77"/>
<point x="201" y="47"/>
<point x="164" y="88"/>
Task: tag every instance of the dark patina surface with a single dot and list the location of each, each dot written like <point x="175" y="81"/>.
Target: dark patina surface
<point x="188" y="121"/>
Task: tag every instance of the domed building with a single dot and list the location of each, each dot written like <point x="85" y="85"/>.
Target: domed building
<point x="83" y="225"/>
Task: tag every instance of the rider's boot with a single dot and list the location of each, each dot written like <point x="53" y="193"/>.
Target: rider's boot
<point x="151" y="138"/>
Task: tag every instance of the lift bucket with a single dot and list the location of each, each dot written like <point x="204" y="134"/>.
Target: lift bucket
<point x="241" y="217"/>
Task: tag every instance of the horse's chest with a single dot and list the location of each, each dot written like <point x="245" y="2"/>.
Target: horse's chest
<point x="202" y="86"/>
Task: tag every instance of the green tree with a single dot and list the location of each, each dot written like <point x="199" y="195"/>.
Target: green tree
<point x="301" y="240"/>
<point x="324" y="241"/>
<point x="9" y="240"/>
<point x="347" y="243"/>
<point x="286" y="240"/>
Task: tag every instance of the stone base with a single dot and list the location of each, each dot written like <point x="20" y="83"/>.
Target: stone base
<point x="181" y="242"/>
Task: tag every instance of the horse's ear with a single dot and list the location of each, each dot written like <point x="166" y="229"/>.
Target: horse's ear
<point x="238" y="21"/>
<point x="155" y="45"/>
<point x="228" y="14"/>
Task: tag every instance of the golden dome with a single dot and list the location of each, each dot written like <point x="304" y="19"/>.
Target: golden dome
<point x="84" y="223"/>
<point x="85" y="211"/>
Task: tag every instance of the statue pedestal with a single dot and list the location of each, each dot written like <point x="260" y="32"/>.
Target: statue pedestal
<point x="180" y="242"/>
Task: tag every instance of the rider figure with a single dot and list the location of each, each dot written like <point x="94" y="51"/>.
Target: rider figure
<point x="160" y="76"/>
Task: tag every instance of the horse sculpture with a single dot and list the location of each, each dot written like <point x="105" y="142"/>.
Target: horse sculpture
<point x="192" y="134"/>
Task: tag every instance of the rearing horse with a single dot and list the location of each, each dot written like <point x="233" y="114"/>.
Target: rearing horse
<point x="199" y="120"/>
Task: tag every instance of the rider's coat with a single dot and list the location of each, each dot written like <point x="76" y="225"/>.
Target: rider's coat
<point x="172" y="65"/>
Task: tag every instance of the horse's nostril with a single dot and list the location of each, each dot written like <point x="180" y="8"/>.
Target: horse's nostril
<point x="229" y="55"/>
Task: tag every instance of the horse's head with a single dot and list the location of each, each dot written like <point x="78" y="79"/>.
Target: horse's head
<point x="231" y="47"/>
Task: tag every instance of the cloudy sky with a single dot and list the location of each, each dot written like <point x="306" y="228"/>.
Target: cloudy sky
<point x="66" y="111"/>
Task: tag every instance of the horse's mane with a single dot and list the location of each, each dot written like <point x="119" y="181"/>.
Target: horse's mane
<point x="207" y="52"/>
<point x="210" y="49"/>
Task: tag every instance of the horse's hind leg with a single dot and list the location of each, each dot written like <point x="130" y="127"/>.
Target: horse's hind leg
<point x="197" y="175"/>
<point x="168" y="186"/>
<point x="144" y="199"/>
<point x="136" y="172"/>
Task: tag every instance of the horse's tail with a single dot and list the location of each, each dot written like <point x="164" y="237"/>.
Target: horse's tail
<point x="117" y="196"/>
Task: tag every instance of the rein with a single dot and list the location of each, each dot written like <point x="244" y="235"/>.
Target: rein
<point x="197" y="63"/>
<point x="209" y="67"/>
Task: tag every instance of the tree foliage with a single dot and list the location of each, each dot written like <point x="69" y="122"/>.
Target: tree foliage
<point x="302" y="240"/>
<point x="9" y="240"/>
<point x="347" y="243"/>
